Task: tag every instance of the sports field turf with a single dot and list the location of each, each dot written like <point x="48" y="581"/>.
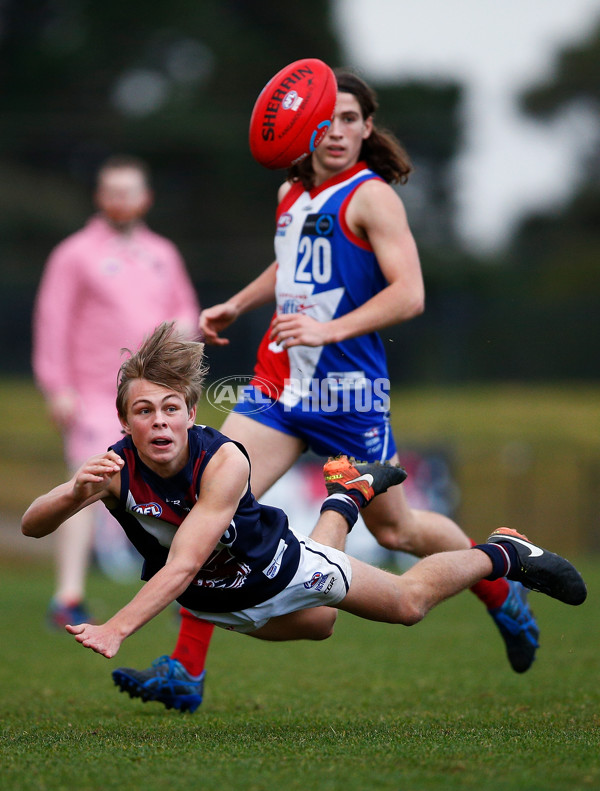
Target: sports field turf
<point x="375" y="707"/>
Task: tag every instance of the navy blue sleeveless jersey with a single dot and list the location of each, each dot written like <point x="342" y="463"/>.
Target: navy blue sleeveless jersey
<point x="257" y="555"/>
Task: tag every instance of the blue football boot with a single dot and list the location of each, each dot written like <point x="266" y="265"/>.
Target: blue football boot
<point x="518" y="627"/>
<point x="166" y="681"/>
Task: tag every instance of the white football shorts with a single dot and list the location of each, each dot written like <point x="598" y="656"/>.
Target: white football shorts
<point x="323" y="578"/>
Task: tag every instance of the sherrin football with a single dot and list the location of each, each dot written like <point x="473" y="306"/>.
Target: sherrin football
<point x="292" y="113"/>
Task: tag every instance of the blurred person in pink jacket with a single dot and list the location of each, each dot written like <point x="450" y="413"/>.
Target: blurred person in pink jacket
<point x="104" y="288"/>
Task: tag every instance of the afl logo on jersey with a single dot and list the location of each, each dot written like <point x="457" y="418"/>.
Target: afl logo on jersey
<point x="148" y="509"/>
<point x="282" y="223"/>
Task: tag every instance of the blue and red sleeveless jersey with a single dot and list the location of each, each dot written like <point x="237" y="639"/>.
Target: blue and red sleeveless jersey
<point x="256" y="556"/>
<point x="324" y="271"/>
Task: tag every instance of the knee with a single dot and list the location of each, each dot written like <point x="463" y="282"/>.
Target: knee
<point x="394" y="537"/>
<point x="324" y="627"/>
<point x="390" y="538"/>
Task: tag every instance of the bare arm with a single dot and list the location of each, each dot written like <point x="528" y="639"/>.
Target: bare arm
<point x="377" y="214"/>
<point x="217" y="318"/>
<point x="224" y="482"/>
<point x="98" y="478"/>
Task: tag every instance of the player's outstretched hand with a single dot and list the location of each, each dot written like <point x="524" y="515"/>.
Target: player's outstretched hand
<point x="216" y="319"/>
<point x="103" y="639"/>
<point x="95" y="474"/>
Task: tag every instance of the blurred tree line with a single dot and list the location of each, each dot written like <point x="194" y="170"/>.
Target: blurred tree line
<point x="175" y="84"/>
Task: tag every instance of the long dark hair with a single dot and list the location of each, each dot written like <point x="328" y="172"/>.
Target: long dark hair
<point x="382" y="151"/>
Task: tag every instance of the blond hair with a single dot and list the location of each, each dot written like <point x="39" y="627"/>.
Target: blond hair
<point x="165" y="358"/>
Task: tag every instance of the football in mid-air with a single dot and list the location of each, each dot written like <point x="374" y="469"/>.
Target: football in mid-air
<point x="292" y="113"/>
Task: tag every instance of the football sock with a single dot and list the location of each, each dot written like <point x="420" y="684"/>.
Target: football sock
<point x="358" y="497"/>
<point x="503" y="556"/>
<point x="344" y="504"/>
<point x="193" y="642"/>
<point x="492" y="593"/>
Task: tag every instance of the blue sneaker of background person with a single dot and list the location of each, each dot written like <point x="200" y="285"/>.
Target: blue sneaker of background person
<point x="60" y="614"/>
<point x="166" y="681"/>
<point x="518" y="627"/>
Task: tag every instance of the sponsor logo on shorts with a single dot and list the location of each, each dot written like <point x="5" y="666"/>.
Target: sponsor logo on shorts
<point x="329" y="587"/>
<point x="318" y="582"/>
<point x="148" y="509"/>
<point x="373" y="437"/>
<point x="372" y="433"/>
<point x="313" y="580"/>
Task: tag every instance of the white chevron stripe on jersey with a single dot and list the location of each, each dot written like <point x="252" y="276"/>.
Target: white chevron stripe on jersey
<point x="304" y="359"/>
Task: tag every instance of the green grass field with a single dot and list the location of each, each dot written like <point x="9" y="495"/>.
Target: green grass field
<point x="375" y="707"/>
